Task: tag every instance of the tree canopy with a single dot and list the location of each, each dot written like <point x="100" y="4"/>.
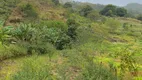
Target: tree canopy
<point x="112" y="10"/>
<point x="121" y="12"/>
<point x="86" y="10"/>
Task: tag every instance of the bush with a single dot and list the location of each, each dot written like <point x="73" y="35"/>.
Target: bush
<point x="28" y="10"/>
<point x="55" y="33"/>
<point x="63" y="42"/>
<point x="72" y="27"/>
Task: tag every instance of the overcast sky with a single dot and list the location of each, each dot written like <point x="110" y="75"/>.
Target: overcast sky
<point x="116" y="2"/>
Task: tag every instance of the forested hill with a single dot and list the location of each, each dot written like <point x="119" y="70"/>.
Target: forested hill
<point x="134" y="8"/>
<point x="61" y="40"/>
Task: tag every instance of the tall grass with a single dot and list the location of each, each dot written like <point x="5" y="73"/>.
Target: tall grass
<point x="33" y="69"/>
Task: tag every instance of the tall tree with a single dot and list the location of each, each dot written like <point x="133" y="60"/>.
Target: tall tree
<point x="56" y="2"/>
<point x="109" y="9"/>
<point x="86" y="10"/>
<point x="121" y="12"/>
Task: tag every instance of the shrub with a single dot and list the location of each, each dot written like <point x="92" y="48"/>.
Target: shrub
<point x="72" y="27"/>
<point x="55" y="33"/>
<point x="63" y="42"/>
<point x="28" y="10"/>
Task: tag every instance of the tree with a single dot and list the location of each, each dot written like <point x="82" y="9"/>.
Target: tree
<point x="67" y="5"/>
<point x="56" y="2"/>
<point x="94" y="15"/>
<point x="29" y="10"/>
<point x="109" y="13"/>
<point x="109" y="9"/>
<point x="86" y="10"/>
<point x="121" y="12"/>
<point x="139" y="17"/>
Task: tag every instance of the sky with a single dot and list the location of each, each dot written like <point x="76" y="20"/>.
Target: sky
<point x="115" y="2"/>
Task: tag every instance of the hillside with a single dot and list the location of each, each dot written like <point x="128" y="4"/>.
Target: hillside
<point x="48" y="40"/>
<point x="134" y="8"/>
<point x="44" y="9"/>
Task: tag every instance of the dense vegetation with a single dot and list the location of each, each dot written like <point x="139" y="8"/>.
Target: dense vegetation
<point x="48" y="40"/>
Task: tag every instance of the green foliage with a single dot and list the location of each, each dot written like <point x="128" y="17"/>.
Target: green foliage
<point x="28" y="10"/>
<point x="121" y="12"/>
<point x="63" y="42"/>
<point x="32" y="39"/>
<point x="56" y="2"/>
<point x="127" y="61"/>
<point x="4" y="34"/>
<point x="6" y="7"/>
<point x="72" y="27"/>
<point x="94" y="15"/>
<point x="109" y="13"/>
<point x="68" y="5"/>
<point x="86" y="10"/>
<point x="54" y="24"/>
<point x="56" y="37"/>
<point x="24" y="32"/>
<point x="55" y="33"/>
<point x="82" y="41"/>
<point x="109" y="10"/>
<point x="139" y="17"/>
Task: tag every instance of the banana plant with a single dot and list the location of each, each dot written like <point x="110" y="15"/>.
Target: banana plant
<point x="4" y="33"/>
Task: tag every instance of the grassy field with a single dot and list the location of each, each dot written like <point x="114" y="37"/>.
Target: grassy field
<point x="69" y="64"/>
